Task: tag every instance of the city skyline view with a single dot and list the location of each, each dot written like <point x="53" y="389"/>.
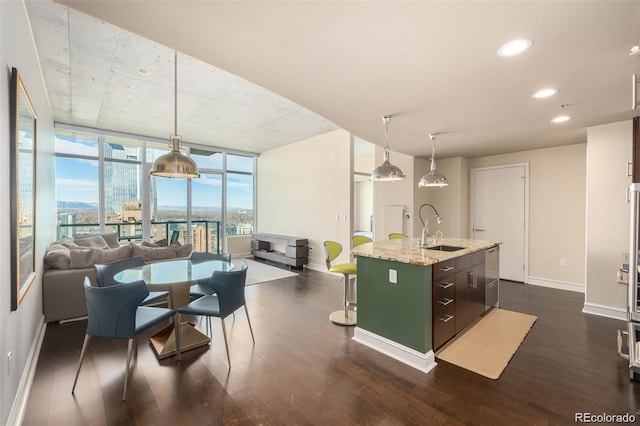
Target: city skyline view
<point x="127" y="186"/>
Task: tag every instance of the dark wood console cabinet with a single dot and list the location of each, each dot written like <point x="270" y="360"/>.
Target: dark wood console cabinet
<point x="458" y="295"/>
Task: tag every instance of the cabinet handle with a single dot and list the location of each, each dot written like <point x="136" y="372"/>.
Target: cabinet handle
<point x="634" y="91"/>
<point x="445" y="301"/>
<point x="445" y="285"/>
<point x="629" y="169"/>
<point x="445" y="269"/>
<point x="446" y="318"/>
<point x="472" y="280"/>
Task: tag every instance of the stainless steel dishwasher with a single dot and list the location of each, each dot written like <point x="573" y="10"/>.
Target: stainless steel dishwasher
<point x="492" y="275"/>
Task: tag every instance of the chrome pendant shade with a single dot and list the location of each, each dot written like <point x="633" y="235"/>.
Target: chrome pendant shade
<point x="175" y="164"/>
<point x="386" y="172"/>
<point x="433" y="178"/>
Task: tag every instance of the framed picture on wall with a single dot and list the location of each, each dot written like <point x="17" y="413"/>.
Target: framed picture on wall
<point x="22" y="189"/>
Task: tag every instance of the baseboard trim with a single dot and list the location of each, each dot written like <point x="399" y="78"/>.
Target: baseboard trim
<point x="423" y="362"/>
<point x="316" y="267"/>
<point x="22" y="396"/>
<point x="560" y="285"/>
<point x="605" y="311"/>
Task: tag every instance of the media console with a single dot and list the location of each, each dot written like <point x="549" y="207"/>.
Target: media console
<point x="296" y="250"/>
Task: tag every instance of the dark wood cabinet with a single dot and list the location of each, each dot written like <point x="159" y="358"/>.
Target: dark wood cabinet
<point x="458" y="295"/>
<point x="444" y="302"/>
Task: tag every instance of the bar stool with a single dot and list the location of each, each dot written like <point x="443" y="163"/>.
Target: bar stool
<point x="332" y="250"/>
<point x="397" y="236"/>
<point x="360" y="239"/>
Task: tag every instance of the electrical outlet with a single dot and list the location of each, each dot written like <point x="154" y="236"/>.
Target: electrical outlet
<point x="9" y="362"/>
<point x="563" y="262"/>
<point x="393" y="276"/>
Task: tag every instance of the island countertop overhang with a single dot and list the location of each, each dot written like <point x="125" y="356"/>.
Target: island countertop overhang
<point x="409" y="250"/>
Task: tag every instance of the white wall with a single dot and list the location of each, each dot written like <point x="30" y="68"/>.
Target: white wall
<point x="394" y="193"/>
<point x="557" y="204"/>
<point x="302" y="187"/>
<point x="19" y="329"/>
<point x="609" y="148"/>
<point x="451" y="202"/>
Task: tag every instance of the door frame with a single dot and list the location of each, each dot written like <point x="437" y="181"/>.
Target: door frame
<point x="472" y="173"/>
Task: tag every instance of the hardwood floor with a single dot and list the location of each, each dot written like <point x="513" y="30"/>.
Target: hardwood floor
<point x="305" y="370"/>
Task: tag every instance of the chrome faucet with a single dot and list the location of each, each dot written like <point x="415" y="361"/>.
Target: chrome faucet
<point x="425" y="223"/>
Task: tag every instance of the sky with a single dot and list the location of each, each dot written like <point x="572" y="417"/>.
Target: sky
<point x="77" y="181"/>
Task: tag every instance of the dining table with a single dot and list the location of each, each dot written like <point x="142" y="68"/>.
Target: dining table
<point x="176" y="277"/>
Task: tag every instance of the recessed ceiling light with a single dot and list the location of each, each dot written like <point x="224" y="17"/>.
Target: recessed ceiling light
<point x="634" y="50"/>
<point x="544" y="93"/>
<point x="561" y="119"/>
<point x="514" y="47"/>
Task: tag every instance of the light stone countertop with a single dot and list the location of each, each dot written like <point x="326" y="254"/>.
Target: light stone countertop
<point x="409" y="250"/>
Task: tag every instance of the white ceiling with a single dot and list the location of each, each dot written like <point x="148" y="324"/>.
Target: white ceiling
<point x="432" y="65"/>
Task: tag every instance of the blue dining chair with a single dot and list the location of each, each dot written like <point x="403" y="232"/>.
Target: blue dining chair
<point x="114" y="311"/>
<point x="106" y="271"/>
<point x="229" y="297"/>
<point x="202" y="288"/>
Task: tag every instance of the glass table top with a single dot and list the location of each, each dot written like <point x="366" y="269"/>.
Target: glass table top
<point x="173" y="271"/>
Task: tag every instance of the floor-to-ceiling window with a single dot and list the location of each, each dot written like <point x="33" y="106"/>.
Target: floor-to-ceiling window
<point x="103" y="185"/>
<point x="206" y="199"/>
<point x="240" y="194"/>
<point x="77" y="183"/>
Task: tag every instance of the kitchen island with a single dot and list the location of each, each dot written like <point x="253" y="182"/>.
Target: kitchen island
<point x="412" y="300"/>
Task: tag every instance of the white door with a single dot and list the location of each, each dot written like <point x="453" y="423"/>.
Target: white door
<point x="498" y="213"/>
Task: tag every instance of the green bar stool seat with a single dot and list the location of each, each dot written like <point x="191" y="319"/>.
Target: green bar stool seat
<point x="360" y="239"/>
<point x="397" y="236"/>
<point x="332" y="250"/>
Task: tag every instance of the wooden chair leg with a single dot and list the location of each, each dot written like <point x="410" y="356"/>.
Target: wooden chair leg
<point x="84" y="348"/>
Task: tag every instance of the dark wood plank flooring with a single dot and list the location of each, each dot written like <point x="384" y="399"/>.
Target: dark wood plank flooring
<point x="305" y="370"/>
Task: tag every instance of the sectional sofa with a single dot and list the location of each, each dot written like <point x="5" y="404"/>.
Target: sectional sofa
<point x="69" y="260"/>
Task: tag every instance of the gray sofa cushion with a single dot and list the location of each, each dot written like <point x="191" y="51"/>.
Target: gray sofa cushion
<point x="93" y="241"/>
<point x="182" y="250"/>
<point x="86" y="257"/>
<point x="57" y="256"/>
<point x="111" y="239"/>
<point x="152" y="253"/>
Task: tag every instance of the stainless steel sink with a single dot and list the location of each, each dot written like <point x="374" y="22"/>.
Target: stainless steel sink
<point x="444" y="248"/>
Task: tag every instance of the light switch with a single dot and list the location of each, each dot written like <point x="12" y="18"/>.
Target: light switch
<point x="393" y="276"/>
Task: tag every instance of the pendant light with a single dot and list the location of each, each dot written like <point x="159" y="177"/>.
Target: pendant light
<point x="433" y="178"/>
<point x="175" y="164"/>
<point x="386" y="172"/>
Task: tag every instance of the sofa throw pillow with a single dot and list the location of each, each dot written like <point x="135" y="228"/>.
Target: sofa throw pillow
<point x="152" y="253"/>
<point x="94" y="241"/>
<point x="87" y="257"/>
<point x="112" y="239"/>
<point x="181" y="250"/>
<point x="57" y="256"/>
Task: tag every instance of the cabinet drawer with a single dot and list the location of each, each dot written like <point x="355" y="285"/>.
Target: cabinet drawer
<point x="444" y="327"/>
<point x="463" y="262"/>
<point x="444" y="287"/>
<point x="444" y="306"/>
<point x="477" y="257"/>
<point x="442" y="269"/>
